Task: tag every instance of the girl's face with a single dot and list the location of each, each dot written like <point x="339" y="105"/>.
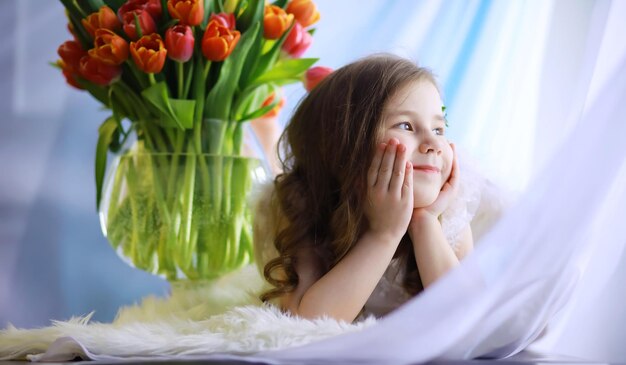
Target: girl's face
<point x="413" y="115"/>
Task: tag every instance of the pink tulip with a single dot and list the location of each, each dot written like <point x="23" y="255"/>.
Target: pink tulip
<point x="226" y="19"/>
<point x="179" y="43"/>
<point x="297" y="42"/>
<point x="315" y="75"/>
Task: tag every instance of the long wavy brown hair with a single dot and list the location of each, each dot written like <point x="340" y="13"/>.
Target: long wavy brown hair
<point x="326" y="150"/>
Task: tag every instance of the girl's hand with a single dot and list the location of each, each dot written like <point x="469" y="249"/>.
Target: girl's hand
<point x="389" y="191"/>
<point x="447" y="193"/>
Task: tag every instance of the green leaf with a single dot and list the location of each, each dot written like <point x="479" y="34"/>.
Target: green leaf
<point x="105" y="135"/>
<point x="253" y="13"/>
<point x="268" y="60"/>
<point x="130" y="97"/>
<point x="208" y="10"/>
<point x="157" y="96"/>
<point x="287" y="81"/>
<point x="165" y="14"/>
<point x="101" y="93"/>
<point x="184" y="111"/>
<point x="117" y="106"/>
<point x="218" y="6"/>
<point x="252" y="60"/>
<point x="75" y="14"/>
<point x="286" y="69"/>
<point x="280" y="3"/>
<point x="114" y="4"/>
<point x="262" y="110"/>
<point x="219" y="101"/>
<point x="91" y="6"/>
<point x="251" y="97"/>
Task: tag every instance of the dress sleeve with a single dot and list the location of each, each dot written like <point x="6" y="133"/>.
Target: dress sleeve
<point x="479" y="203"/>
<point x="265" y="225"/>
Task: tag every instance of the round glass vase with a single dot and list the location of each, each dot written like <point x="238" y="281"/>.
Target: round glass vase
<point x="181" y="216"/>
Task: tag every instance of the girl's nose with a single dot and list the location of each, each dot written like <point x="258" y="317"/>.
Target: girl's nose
<point x="428" y="144"/>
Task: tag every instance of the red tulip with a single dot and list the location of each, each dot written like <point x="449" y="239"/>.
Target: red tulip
<point x="146" y="23"/>
<point x="189" y="12"/>
<point x="226" y="19"/>
<point x="275" y="22"/>
<point x="99" y="72"/>
<point x="315" y="75"/>
<point x="179" y="42"/>
<point x="109" y="47"/>
<point x="149" y="53"/>
<point x="275" y="110"/>
<point x="153" y="7"/>
<point x="218" y="41"/>
<point x="297" y="41"/>
<point x="70" y="75"/>
<point x="71" y="52"/>
<point x="304" y="11"/>
<point x="103" y="18"/>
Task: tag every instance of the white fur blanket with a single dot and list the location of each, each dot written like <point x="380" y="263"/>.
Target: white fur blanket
<point x="221" y="317"/>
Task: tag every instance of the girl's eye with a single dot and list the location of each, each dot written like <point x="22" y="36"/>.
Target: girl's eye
<point x="439" y="131"/>
<point x="405" y="126"/>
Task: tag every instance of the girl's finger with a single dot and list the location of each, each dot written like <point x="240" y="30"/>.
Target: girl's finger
<point x="398" y="172"/>
<point x="407" y="185"/>
<point x="386" y="166"/>
<point x="454" y="173"/>
<point x="372" y="174"/>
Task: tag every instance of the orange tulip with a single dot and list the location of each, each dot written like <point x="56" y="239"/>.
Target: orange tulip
<point x="304" y="11"/>
<point x="218" y="41"/>
<point x="315" y="75"/>
<point x="275" y="22"/>
<point x="71" y="52"/>
<point x="149" y="53"/>
<point x="109" y="48"/>
<point x="99" y="72"/>
<point x="275" y="110"/>
<point x="103" y="18"/>
<point x="146" y="23"/>
<point x="179" y="42"/>
<point x="188" y="12"/>
<point x="153" y="7"/>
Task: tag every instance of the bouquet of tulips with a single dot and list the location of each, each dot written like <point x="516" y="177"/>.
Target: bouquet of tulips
<point x="182" y="77"/>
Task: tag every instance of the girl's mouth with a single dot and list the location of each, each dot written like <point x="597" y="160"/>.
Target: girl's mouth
<point x="427" y="169"/>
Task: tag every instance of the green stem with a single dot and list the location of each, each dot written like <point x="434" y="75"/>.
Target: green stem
<point x="187" y="195"/>
<point x="188" y="78"/>
<point x="131" y="180"/>
<point x="205" y="72"/>
<point x="180" y="69"/>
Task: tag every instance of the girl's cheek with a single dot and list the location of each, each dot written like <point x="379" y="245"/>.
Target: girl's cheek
<point x="445" y="175"/>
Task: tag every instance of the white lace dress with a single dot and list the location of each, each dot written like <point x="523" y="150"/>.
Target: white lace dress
<point x="475" y="195"/>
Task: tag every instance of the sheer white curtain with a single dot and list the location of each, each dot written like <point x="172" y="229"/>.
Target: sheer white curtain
<point x="543" y="104"/>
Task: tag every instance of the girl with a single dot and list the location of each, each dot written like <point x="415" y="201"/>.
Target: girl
<point x="355" y="218"/>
